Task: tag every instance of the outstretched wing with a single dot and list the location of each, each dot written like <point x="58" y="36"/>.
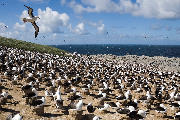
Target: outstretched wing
<point x="30" y="11"/>
<point x="36" y="29"/>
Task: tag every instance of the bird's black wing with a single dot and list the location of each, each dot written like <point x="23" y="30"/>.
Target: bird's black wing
<point x="36" y="29"/>
<point x="30" y="11"/>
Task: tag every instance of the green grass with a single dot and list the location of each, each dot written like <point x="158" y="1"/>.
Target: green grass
<point x="19" y="44"/>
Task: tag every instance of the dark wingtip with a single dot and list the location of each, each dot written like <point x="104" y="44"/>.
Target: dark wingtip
<point x="35" y="36"/>
<point x="26" y="6"/>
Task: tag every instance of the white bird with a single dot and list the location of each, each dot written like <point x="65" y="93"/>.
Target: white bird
<point x="161" y="108"/>
<point x="89" y="86"/>
<point x="5" y="73"/>
<point x="104" y="95"/>
<point x="30" y="75"/>
<point x="172" y="95"/>
<point x="15" y="77"/>
<point x="118" y="104"/>
<point x="177" y="115"/>
<point x="100" y="92"/>
<point x="4" y="94"/>
<point x="106" y="106"/>
<point x="105" y="85"/>
<point x="59" y="101"/>
<point x="14" y="117"/>
<point x="73" y="89"/>
<point x="177" y="97"/>
<point x="138" y="89"/>
<point x="148" y="96"/>
<point x="14" y="68"/>
<point x="142" y="113"/>
<point x="35" y="92"/>
<point x="122" y="86"/>
<point x="119" y="81"/>
<point x="96" y="118"/>
<point x="131" y="108"/>
<point x="79" y="105"/>
<point x="127" y="94"/>
<point x="17" y="117"/>
<point x="58" y="93"/>
<point x="53" y="83"/>
<point x="47" y="93"/>
<point x="32" y="19"/>
<point x="40" y="102"/>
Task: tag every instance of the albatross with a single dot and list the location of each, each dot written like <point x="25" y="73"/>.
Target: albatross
<point x="32" y="19"/>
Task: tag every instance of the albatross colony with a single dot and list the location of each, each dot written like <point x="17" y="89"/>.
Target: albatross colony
<point x="45" y="86"/>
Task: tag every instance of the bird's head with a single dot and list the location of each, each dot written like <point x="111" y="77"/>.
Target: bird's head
<point x="43" y="99"/>
<point x="37" y="17"/>
<point x="89" y="104"/>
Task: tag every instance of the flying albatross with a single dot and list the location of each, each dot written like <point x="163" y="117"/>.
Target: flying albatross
<point x="32" y="19"/>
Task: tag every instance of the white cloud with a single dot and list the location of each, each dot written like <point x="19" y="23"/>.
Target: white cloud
<point x="79" y="29"/>
<point x="99" y="26"/>
<point x="161" y="9"/>
<point x="158" y="8"/>
<point x="20" y="27"/>
<point x="63" y="2"/>
<point x="24" y="15"/>
<point x="51" y="21"/>
<point x="102" y="6"/>
<point x="10" y="34"/>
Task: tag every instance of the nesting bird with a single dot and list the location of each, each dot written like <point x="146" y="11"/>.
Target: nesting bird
<point x="39" y="102"/>
<point x="105" y="107"/>
<point x="59" y="101"/>
<point x="90" y="108"/>
<point x="177" y="116"/>
<point x="161" y="108"/>
<point x="96" y="118"/>
<point x="141" y="114"/>
<point x="14" y="117"/>
<point x="79" y="105"/>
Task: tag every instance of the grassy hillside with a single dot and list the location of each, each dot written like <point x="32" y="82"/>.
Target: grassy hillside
<point x="13" y="43"/>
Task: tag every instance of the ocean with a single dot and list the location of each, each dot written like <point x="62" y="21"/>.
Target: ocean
<point x="121" y="50"/>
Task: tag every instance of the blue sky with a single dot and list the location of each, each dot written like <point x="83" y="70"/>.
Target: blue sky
<point x="94" y="21"/>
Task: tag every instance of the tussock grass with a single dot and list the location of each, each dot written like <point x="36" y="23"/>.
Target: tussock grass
<point x="19" y="44"/>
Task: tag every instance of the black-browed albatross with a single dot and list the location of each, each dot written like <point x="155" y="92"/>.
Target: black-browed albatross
<point x="32" y="19"/>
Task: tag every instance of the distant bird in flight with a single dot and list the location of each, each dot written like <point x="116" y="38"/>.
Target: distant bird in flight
<point x="146" y="36"/>
<point x="3" y="26"/>
<point x="3" y="3"/>
<point x="32" y="19"/>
